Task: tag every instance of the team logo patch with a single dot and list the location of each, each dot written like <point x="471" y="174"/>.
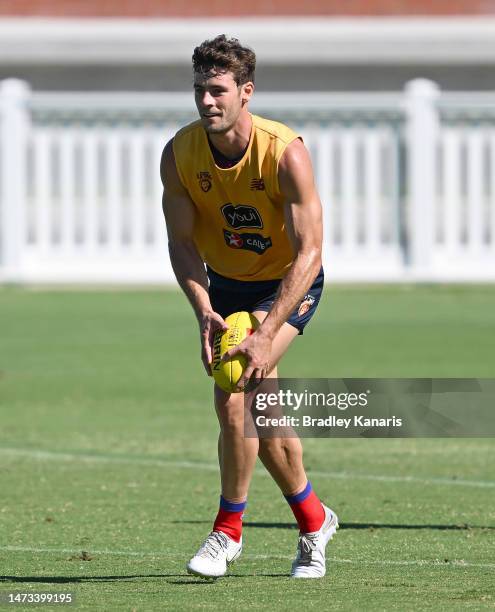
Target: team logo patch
<point x="241" y="216"/>
<point x="204" y="179"/>
<point x="248" y="242"/>
<point x="257" y="184"/>
<point x="307" y="301"/>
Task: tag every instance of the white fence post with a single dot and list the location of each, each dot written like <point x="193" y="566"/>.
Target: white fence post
<point x="422" y="138"/>
<point x="14" y="114"/>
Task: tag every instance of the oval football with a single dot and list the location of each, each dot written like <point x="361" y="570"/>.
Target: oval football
<point x="227" y="373"/>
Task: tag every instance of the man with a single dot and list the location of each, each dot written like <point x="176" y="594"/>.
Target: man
<point x="239" y="196"/>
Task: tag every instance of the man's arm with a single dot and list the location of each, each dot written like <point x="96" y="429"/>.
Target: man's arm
<point x="187" y="264"/>
<point x="303" y="220"/>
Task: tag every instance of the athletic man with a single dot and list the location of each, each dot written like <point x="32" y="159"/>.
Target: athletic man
<point x="239" y="197"/>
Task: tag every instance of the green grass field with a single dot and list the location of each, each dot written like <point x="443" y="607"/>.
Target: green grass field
<point x="108" y="446"/>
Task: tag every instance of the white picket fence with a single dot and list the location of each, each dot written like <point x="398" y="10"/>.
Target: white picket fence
<point x="407" y="182"/>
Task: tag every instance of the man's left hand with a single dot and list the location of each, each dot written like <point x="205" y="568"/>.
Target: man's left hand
<point x="257" y="349"/>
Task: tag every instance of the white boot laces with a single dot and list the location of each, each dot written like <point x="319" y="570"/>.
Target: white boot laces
<point x="213" y="545"/>
<point x="306" y="545"/>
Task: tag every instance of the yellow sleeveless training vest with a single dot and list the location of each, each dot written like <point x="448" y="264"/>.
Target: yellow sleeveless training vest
<point x="240" y="228"/>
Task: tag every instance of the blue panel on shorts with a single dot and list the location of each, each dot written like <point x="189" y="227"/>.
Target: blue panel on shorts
<point x="228" y="295"/>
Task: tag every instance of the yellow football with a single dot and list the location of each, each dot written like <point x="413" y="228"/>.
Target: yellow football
<point x="227" y="373"/>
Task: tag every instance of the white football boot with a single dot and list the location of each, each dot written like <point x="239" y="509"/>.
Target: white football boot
<point x="214" y="556"/>
<point x="310" y="557"/>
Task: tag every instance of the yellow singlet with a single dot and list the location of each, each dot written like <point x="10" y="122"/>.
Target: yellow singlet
<point x="240" y="231"/>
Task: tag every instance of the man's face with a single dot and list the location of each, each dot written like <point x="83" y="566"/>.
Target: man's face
<point x="218" y="100"/>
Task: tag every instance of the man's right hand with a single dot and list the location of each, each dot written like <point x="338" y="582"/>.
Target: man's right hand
<point x="209" y="323"/>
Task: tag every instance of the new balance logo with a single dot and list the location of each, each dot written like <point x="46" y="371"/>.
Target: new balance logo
<point x="257" y="184"/>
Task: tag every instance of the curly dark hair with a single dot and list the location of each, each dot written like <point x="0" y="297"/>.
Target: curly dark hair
<point x="225" y="54"/>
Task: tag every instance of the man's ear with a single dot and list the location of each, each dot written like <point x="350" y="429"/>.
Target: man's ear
<point x="247" y="90"/>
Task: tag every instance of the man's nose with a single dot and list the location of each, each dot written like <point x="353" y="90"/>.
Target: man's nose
<point x="207" y="99"/>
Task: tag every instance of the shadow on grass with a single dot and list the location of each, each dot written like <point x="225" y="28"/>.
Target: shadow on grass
<point x="76" y="579"/>
<point x="191" y="580"/>
<point x="371" y="526"/>
<point x="182" y="579"/>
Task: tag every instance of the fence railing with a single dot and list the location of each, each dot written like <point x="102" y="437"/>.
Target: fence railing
<point x="407" y="182"/>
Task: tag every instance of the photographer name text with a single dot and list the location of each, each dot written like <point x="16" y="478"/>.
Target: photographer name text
<point x="329" y="421"/>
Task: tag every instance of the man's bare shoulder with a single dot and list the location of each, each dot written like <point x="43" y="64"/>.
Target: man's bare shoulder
<point x="168" y="170"/>
<point x="169" y="151"/>
<point x="295" y="157"/>
<point x="167" y="162"/>
<point x="295" y="173"/>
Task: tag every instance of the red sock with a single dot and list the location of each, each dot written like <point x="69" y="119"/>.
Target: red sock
<point x="229" y="518"/>
<point x="307" y="509"/>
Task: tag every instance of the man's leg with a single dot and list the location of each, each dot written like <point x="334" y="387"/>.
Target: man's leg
<point x="236" y="454"/>
<point x="237" y="457"/>
<point x="283" y="459"/>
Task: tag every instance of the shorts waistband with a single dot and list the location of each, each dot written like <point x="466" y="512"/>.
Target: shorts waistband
<point x="232" y="284"/>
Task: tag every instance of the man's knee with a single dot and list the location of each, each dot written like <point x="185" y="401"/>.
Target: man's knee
<point x="230" y="411"/>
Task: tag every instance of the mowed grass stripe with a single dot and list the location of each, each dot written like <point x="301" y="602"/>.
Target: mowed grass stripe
<point x="457" y="563"/>
<point x="42" y="455"/>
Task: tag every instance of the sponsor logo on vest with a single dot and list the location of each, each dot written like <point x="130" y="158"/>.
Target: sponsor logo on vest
<point x="307" y="301"/>
<point x="204" y="179"/>
<point x="241" y="216"/>
<point x="249" y="242"/>
<point x="257" y="184"/>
